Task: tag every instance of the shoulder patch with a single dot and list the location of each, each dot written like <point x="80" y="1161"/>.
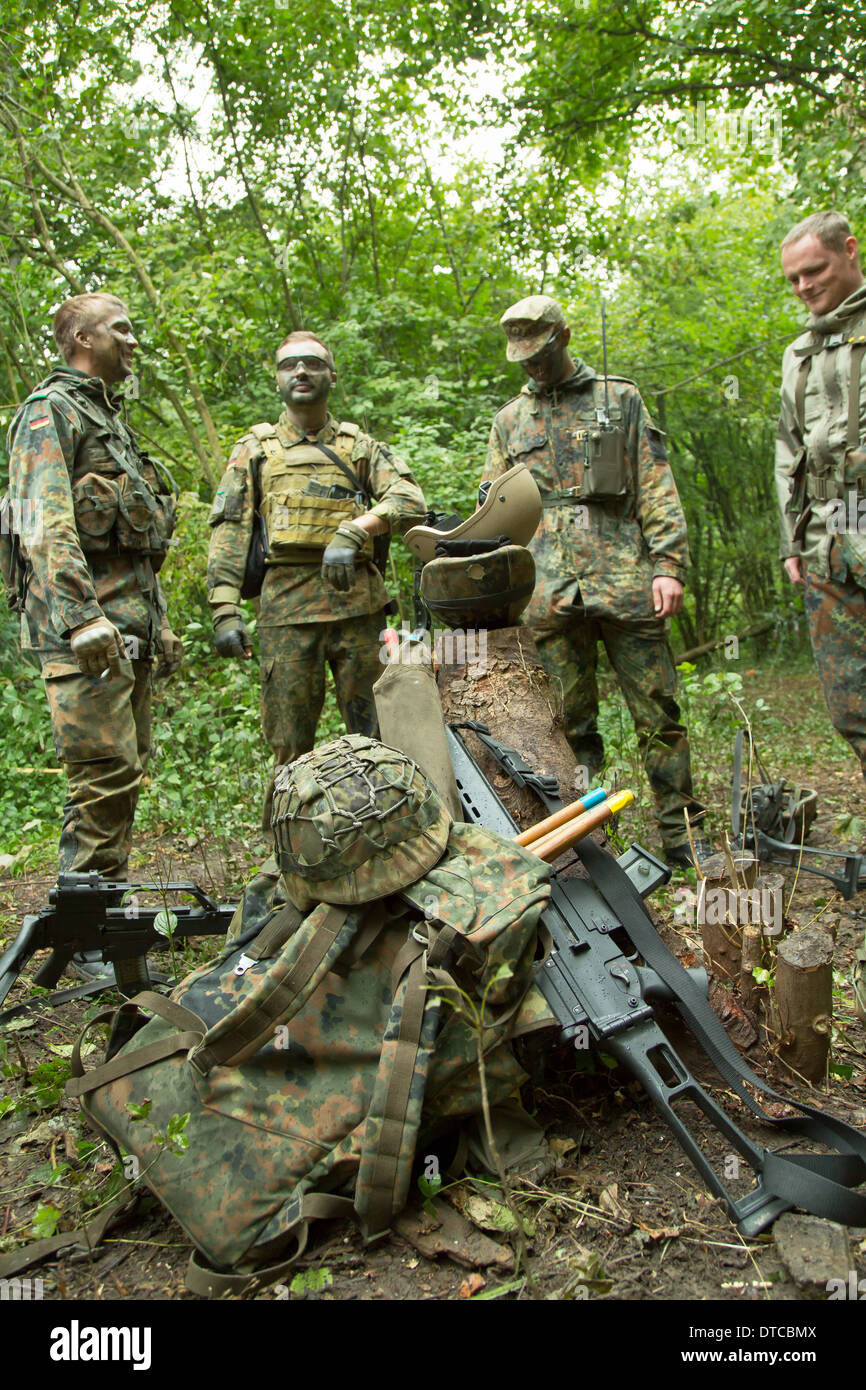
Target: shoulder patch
<point x="346" y="427"/>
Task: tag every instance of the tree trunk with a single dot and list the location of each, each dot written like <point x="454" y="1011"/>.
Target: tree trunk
<point x="804" y="1001"/>
<point x="498" y="680"/>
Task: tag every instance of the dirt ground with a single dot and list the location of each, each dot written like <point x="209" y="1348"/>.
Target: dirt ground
<point x="621" y="1216"/>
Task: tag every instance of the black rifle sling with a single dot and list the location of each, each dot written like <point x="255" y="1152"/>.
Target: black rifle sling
<point x="817" y="1182"/>
<point x="344" y="468"/>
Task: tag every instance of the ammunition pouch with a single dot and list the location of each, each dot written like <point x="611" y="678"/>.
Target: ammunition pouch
<point x="121" y="514"/>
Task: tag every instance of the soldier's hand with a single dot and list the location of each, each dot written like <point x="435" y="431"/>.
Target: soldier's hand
<point x="97" y="646"/>
<point x="338" y="561"/>
<point x="794" y="569"/>
<point x="172" y="653"/>
<point x="667" y="596"/>
<point x="230" y="637"/>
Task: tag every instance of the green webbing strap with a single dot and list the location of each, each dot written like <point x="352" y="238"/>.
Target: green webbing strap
<point x="800" y="393"/>
<point x="857" y="351"/>
<point x="275" y="933"/>
<point x="409" y="967"/>
<point x="315" y="1206"/>
<point x="81" y="1083"/>
<point x="246" y="1029"/>
<point x="87" y="1237"/>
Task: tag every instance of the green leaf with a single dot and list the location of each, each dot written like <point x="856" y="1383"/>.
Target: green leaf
<point x="46" y="1220"/>
<point x="165" y="923"/>
<point x="312" y="1280"/>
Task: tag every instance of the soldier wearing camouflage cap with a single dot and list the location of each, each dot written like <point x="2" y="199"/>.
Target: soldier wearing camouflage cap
<point x="93" y="516"/>
<point x="325" y="490"/>
<point x="610" y="554"/>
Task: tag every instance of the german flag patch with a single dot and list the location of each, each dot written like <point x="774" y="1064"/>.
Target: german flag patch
<point x="43" y="420"/>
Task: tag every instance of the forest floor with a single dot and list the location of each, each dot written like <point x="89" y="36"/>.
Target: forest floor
<point x="622" y="1216"/>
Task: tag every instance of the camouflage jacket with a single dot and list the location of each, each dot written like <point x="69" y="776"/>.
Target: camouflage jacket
<point x="56" y="438"/>
<point x="296" y="593"/>
<point x="602" y="555"/>
<point x="820" y="471"/>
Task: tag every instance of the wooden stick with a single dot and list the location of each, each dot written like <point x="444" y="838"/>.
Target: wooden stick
<point x="551" y="846"/>
<point x="576" y="808"/>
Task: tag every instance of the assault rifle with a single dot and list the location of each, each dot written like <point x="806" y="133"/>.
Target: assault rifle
<point x="90" y="913"/>
<point x="772" y="820"/>
<point x="607" y="969"/>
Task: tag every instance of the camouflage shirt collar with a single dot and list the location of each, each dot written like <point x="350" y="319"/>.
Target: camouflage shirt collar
<point x="94" y="386"/>
<point x="835" y="322"/>
<point x="580" y="377"/>
<point x="293" y="434"/>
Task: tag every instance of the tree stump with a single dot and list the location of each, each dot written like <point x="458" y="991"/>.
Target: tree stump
<point x="505" y="686"/>
<point x="804" y="1001"/>
<point x="720" y="934"/>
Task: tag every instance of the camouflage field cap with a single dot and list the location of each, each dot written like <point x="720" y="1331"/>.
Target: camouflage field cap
<point x="529" y="325"/>
<point x="475" y="591"/>
<point x="511" y="508"/>
<point x="355" y="820"/>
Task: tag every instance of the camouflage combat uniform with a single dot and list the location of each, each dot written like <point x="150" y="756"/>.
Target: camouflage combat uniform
<point x="302" y="622"/>
<point x="70" y="453"/>
<point x="821" y="486"/>
<point x="595" y="563"/>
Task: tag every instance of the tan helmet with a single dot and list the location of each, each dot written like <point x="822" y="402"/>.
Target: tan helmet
<point x="512" y="508"/>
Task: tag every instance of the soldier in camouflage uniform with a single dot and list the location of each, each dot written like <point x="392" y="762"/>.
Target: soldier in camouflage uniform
<point x="821" y="461"/>
<point x="93" y="515"/>
<point x="610" y="554"/>
<point x="323" y="600"/>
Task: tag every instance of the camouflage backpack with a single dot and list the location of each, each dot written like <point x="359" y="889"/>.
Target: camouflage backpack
<point x="316" y="1057"/>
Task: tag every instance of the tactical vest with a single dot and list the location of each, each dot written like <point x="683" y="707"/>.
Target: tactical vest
<point x="124" y="502"/>
<point x="827" y="479"/>
<point x="305" y="492"/>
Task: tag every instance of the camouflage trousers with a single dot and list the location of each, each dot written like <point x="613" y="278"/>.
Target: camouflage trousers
<point x="102" y="735"/>
<point x="640" y="655"/>
<point x="293" y="662"/>
<point x="836" y="610"/>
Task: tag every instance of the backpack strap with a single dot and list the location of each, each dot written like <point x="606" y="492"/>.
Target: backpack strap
<point x="238" y="1036"/>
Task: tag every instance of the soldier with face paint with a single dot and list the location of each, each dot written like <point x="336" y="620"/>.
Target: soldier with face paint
<point x="610" y="553"/>
<point x="93" y="515"/>
<point x="325" y="490"/>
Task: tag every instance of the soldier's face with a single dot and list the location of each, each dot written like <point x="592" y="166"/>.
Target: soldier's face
<point x="304" y="376"/>
<point x="549" y="365"/>
<point x="112" y="344"/>
<point x="821" y="278"/>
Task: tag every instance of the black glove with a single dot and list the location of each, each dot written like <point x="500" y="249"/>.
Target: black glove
<point x="230" y="637"/>
<point x="338" y="561"/>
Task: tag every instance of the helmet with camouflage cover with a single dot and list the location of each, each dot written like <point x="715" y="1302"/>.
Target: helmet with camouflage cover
<point x="355" y="820"/>
<point x="487" y="590"/>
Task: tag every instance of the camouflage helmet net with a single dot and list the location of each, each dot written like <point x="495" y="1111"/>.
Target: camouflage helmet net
<point x="488" y="590"/>
<point x="355" y="820"/>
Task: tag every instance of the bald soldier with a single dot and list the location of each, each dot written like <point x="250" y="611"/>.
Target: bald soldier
<point x="93" y="516"/>
<point x="326" y="492"/>
<point x="610" y="554"/>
